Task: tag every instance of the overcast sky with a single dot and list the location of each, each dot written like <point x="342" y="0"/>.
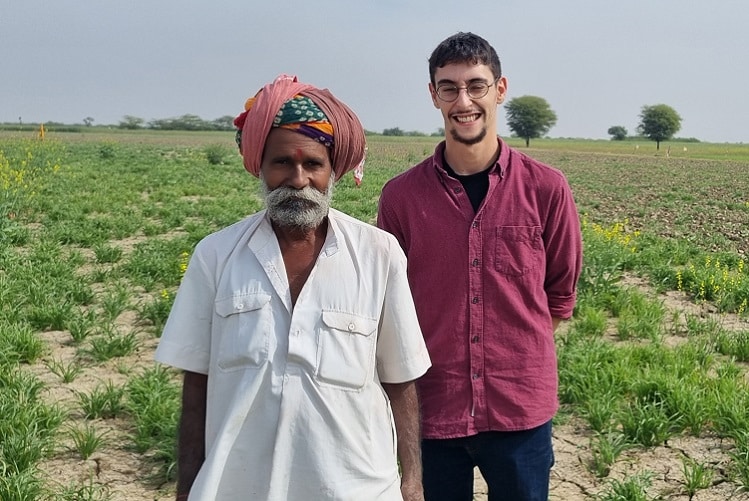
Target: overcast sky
<point x="596" y="62"/>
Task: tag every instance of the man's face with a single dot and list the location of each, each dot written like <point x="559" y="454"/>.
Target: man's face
<point x="296" y="179"/>
<point x="468" y="120"/>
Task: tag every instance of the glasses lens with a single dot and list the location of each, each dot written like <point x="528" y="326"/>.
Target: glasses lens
<point x="477" y="90"/>
<point x="447" y="92"/>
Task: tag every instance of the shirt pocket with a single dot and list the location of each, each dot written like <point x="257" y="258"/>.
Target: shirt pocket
<point x="518" y="250"/>
<point x="346" y="344"/>
<point x="245" y="329"/>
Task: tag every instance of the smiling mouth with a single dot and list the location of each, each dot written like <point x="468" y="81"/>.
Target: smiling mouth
<point x="467" y="118"/>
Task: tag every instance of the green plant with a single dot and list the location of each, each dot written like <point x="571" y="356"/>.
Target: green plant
<point x="49" y="314"/>
<point x="84" y="491"/>
<point x="590" y="321"/>
<point x="697" y="476"/>
<point x="112" y="344"/>
<point x="600" y="411"/>
<point x="67" y="372"/>
<point x="216" y="153"/>
<point x="156" y="310"/>
<point x="107" y="150"/>
<point x="633" y="488"/>
<point x="22" y="340"/>
<point x="80" y="325"/>
<point x="639" y="317"/>
<point x="647" y="423"/>
<point x="153" y="398"/>
<point x="86" y="439"/>
<point x="21" y="486"/>
<point x="115" y="301"/>
<point x="605" y="449"/>
<point x="740" y="457"/>
<point x="104" y="401"/>
<point x="107" y="253"/>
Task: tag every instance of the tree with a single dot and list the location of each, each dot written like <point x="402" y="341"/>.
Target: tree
<point x="659" y="122"/>
<point x="395" y="131"/>
<point x="131" y="122"/>
<point x="225" y="122"/>
<point x="88" y="121"/>
<point x="617" y="133"/>
<point x="530" y="117"/>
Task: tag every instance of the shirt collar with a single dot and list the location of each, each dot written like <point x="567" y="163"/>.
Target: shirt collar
<point x="263" y="232"/>
<point x="499" y="168"/>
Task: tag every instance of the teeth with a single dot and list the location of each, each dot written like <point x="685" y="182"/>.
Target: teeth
<point x="467" y="119"/>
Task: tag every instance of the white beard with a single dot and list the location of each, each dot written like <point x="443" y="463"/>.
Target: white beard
<point x="303" y="209"/>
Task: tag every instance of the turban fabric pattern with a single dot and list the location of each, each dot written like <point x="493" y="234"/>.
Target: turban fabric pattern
<point x="314" y="112"/>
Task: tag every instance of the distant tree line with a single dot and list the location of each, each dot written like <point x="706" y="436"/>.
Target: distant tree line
<point x="184" y="122"/>
<point x="528" y="117"/>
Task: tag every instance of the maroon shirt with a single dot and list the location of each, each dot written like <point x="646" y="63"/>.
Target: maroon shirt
<point x="486" y="285"/>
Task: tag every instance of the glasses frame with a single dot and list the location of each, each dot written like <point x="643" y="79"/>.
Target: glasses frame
<point x="465" y="88"/>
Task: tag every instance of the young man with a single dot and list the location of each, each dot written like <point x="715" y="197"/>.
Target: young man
<point x="493" y="244"/>
<point x="296" y="329"/>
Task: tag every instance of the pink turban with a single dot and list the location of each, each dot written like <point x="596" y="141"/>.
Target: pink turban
<point x="255" y="123"/>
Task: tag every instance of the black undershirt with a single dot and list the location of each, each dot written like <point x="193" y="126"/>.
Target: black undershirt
<point x="476" y="185"/>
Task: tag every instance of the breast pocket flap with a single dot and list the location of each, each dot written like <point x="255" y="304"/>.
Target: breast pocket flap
<point x="241" y="304"/>
<point x="349" y="323"/>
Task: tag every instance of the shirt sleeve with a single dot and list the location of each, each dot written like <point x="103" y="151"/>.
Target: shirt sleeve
<point x="386" y="219"/>
<point x="186" y="339"/>
<point x="563" y="243"/>
<point x="401" y="351"/>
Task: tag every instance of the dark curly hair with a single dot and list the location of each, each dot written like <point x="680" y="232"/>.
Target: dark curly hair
<point x="464" y="48"/>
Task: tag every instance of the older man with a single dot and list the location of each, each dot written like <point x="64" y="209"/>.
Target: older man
<point x="296" y="329"/>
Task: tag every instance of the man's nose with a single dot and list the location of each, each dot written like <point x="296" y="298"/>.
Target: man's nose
<point x="463" y="96"/>
<point x="298" y="177"/>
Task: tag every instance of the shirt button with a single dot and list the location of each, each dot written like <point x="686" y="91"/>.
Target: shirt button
<point x="474" y="225"/>
<point x="457" y="190"/>
<point x="475" y="339"/>
<point x="239" y="306"/>
<point x="475" y="300"/>
<point x="476" y="376"/>
<point x="475" y="262"/>
<point x="351" y="327"/>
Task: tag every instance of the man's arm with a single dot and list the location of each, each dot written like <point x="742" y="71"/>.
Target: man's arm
<point x="191" y="446"/>
<point x="405" y="404"/>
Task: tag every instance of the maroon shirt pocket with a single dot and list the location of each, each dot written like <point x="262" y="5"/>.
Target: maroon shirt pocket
<point x="518" y="250"/>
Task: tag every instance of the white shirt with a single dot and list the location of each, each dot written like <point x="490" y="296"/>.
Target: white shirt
<point x="295" y="409"/>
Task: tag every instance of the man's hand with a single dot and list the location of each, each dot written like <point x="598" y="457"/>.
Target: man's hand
<point x="412" y="490"/>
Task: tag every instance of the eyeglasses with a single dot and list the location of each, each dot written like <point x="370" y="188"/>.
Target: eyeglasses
<point x="475" y="90"/>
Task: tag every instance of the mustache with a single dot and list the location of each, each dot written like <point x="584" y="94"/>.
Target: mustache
<point x="302" y="208"/>
<point x="306" y="193"/>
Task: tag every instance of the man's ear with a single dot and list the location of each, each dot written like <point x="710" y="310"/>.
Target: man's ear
<point x="501" y="89"/>
<point x="433" y="93"/>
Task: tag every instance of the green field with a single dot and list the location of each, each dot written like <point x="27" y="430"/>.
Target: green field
<point x="96" y="228"/>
